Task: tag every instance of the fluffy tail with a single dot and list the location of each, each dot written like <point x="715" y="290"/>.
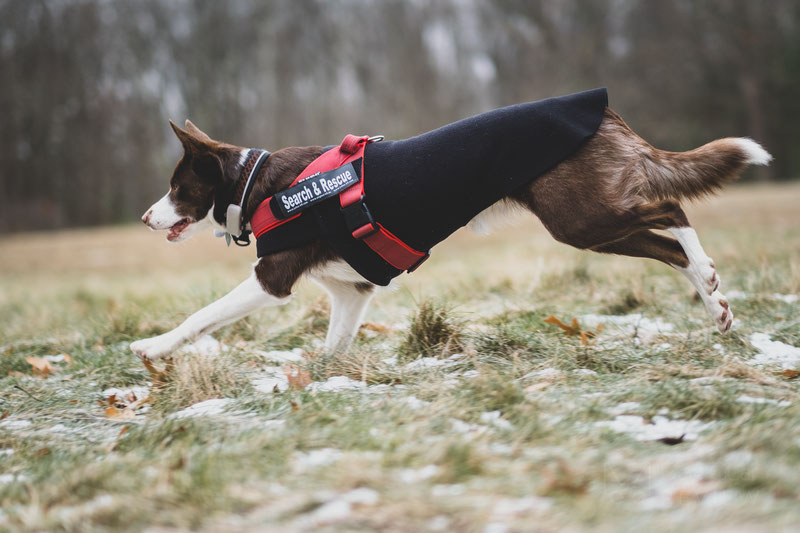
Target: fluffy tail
<point x="698" y="172"/>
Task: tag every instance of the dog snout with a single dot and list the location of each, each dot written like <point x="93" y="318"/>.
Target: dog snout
<point x="146" y="217"/>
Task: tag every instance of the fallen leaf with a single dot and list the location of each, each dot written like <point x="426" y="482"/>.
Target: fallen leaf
<point x="111" y="400"/>
<point x="115" y="414"/>
<point x="67" y="358"/>
<point x="374" y="326"/>
<point x="42" y="451"/>
<point x="575" y="329"/>
<point x="5" y="415"/>
<point x="672" y="441"/>
<point x="138" y="403"/>
<point x="130" y="397"/>
<point x="694" y="490"/>
<point x="41" y="367"/>
<point x="789" y="373"/>
<point x="297" y="377"/>
<point x="123" y="431"/>
<point x="158" y="376"/>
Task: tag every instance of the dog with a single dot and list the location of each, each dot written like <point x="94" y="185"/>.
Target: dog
<point x="607" y="195"/>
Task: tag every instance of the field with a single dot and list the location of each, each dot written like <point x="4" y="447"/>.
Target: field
<point x="460" y="408"/>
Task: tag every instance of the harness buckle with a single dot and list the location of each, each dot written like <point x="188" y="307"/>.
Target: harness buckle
<point x="416" y="265"/>
<point x="359" y="220"/>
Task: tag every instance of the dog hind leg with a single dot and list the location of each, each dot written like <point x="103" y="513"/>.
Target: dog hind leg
<point x="684" y="253"/>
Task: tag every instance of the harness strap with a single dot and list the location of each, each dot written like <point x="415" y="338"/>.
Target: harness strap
<point x="357" y="217"/>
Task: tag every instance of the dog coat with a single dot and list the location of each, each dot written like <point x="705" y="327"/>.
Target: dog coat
<point x="424" y="188"/>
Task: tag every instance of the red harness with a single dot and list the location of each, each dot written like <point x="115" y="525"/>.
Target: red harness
<point x="358" y="218"/>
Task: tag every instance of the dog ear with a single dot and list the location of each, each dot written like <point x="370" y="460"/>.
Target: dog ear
<point x="196" y="132"/>
<point x="190" y="141"/>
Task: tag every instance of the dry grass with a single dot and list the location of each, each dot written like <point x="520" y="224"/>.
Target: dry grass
<point x="502" y="434"/>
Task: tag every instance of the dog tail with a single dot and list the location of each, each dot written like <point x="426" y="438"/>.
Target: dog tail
<point x="698" y="172"/>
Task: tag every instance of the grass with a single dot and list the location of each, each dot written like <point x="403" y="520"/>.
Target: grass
<point x="498" y="430"/>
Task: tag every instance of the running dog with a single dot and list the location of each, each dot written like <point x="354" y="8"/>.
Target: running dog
<point x="572" y="161"/>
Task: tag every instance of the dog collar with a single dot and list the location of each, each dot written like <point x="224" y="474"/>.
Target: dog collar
<point x="234" y="228"/>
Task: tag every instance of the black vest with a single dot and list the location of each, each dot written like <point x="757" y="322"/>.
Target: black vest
<point x="424" y="188"/>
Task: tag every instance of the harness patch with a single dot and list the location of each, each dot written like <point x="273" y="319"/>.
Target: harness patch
<point x="313" y="190"/>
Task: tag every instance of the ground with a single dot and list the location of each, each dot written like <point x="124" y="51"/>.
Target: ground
<point x="461" y="407"/>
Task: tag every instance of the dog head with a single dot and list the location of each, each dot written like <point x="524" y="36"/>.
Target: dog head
<point x="196" y="183"/>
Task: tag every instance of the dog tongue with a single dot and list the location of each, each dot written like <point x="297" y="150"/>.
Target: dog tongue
<point x="176" y="229"/>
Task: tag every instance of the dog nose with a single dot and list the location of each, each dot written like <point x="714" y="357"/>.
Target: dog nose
<point x="146" y="217"/>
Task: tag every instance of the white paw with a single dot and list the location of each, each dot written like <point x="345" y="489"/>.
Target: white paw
<point x="154" y="347"/>
<point x="720" y="311"/>
<point x="708" y="276"/>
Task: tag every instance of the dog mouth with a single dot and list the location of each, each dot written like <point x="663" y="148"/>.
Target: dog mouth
<point x="178" y="228"/>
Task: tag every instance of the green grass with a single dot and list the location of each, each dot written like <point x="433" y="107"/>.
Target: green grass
<point x="500" y="429"/>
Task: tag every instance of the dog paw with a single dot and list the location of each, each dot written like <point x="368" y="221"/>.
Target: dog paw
<point x="154" y="347"/>
<point x="720" y="311"/>
<point x="708" y="275"/>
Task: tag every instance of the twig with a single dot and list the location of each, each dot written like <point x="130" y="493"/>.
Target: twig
<point x="28" y="393"/>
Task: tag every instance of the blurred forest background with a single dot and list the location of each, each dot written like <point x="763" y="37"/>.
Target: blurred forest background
<point x="88" y="85"/>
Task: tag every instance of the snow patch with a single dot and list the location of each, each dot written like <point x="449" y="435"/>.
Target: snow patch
<point x="415" y="403"/>
<point x="762" y="401"/>
<point x="625" y="408"/>
<point x="271" y="380"/>
<point x="282" y="356"/>
<point x="415" y="475"/>
<point x="14" y="423"/>
<point x="426" y="363"/>
<point x="494" y="418"/>
<point x="342" y="506"/>
<point x="335" y="384"/>
<point x="661" y="427"/>
<point x="205" y="345"/>
<point x="774" y="353"/>
<point x="213" y="407"/>
<point x="786" y="298"/>
<point x="316" y="458"/>
<point x="633" y="324"/>
<point x="122" y="394"/>
<point x="545" y="373"/>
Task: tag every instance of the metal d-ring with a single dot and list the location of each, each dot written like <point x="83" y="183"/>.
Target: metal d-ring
<point x="375" y="139"/>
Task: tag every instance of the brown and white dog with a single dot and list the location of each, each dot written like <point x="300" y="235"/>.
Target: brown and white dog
<point x="607" y="197"/>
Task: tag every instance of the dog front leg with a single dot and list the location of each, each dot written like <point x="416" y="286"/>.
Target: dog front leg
<point x="241" y="301"/>
<point x="348" y="304"/>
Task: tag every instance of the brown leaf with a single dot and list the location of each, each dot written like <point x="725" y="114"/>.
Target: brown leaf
<point x="42" y="451"/>
<point x="789" y="373"/>
<point x="41" y="367"/>
<point x="157" y="376"/>
<point x="138" y="403"/>
<point x="114" y="413"/>
<point x="130" y="397"/>
<point x="672" y="441"/>
<point x="575" y="329"/>
<point x="298" y="378"/>
<point x="67" y="358"/>
<point x="123" y="431"/>
<point x="374" y="326"/>
<point x="111" y="400"/>
<point x="5" y="415"/>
